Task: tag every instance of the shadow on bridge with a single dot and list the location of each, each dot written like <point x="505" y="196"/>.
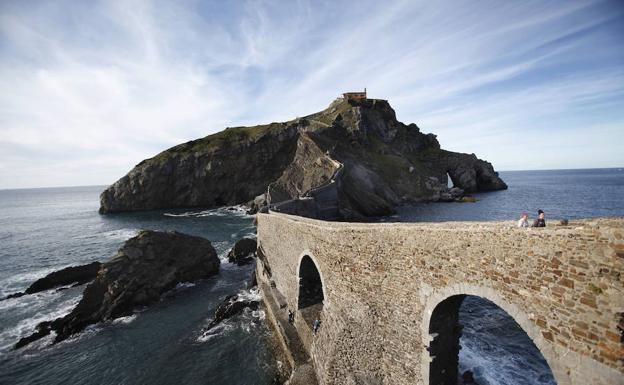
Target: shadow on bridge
<point x="310" y="302"/>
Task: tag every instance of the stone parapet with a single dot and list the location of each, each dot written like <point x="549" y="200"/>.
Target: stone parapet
<point x="562" y="284"/>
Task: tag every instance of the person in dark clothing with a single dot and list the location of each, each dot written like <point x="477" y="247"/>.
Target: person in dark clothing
<point x="291" y="317"/>
<point x="540" y="221"/>
<point x="316" y="325"/>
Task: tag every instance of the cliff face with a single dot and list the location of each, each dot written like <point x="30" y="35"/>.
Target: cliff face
<point x="350" y="161"/>
<point x="227" y="168"/>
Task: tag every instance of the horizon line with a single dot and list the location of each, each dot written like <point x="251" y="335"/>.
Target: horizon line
<point x="519" y="170"/>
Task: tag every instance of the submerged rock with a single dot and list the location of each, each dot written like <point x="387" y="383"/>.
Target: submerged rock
<point x="467" y="378"/>
<point x="231" y="306"/>
<point x="145" y="267"/>
<point x="243" y="251"/>
<point x="351" y="161"/>
<point x="41" y="330"/>
<point x="76" y="275"/>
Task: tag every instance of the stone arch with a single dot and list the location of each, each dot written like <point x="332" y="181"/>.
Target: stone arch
<point x="311" y="292"/>
<point x="450" y="298"/>
<point x="450" y="183"/>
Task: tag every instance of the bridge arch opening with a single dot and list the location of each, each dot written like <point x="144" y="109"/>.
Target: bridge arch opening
<point x="311" y="297"/>
<point x="476" y="341"/>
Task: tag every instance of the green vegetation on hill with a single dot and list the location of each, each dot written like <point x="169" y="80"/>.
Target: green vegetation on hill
<point x="231" y="136"/>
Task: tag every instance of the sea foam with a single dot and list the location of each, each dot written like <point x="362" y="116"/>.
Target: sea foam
<point x="25" y="327"/>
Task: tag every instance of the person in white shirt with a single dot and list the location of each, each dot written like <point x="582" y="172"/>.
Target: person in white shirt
<point x="524" y="220"/>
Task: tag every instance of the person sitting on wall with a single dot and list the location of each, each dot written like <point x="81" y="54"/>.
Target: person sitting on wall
<point x="540" y="221"/>
<point x="316" y="325"/>
<point x="524" y="220"/>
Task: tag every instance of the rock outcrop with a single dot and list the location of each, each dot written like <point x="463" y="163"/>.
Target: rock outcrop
<point x="351" y="161"/>
<point x="145" y="267"/>
<point x="73" y="275"/>
<point x="231" y="306"/>
<point x="243" y="251"/>
<point x="225" y="169"/>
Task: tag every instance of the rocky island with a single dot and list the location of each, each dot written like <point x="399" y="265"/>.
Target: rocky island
<point x="144" y="268"/>
<point x="350" y="161"/>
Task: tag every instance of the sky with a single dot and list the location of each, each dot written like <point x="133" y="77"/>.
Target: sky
<point x="88" y="89"/>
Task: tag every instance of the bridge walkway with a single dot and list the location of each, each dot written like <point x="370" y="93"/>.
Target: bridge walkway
<point x="303" y="371"/>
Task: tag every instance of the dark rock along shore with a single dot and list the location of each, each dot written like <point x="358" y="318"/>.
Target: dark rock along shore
<point x="351" y="161"/>
<point x="231" y="306"/>
<point x="145" y="267"/>
<point x="243" y="251"/>
<point x="76" y="275"/>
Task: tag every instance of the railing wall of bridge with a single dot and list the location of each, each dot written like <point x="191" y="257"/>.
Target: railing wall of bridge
<point x="381" y="282"/>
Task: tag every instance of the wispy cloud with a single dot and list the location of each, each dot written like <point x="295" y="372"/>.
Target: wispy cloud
<point x="90" y="89"/>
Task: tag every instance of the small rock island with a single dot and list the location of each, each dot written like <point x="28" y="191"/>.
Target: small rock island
<point x="144" y="268"/>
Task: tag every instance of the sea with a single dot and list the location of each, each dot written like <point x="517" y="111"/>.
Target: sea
<point x="42" y="230"/>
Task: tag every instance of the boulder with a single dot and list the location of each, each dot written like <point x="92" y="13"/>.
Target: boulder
<point x="243" y="251"/>
<point x="231" y="306"/>
<point x="70" y="275"/>
<point x="76" y="275"/>
<point x="454" y="194"/>
<point x="143" y="269"/>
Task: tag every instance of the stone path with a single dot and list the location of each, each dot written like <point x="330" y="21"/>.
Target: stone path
<point x="319" y="122"/>
<point x="303" y="372"/>
<point x="311" y="313"/>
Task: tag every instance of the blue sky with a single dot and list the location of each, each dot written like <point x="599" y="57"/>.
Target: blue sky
<point x="89" y="89"/>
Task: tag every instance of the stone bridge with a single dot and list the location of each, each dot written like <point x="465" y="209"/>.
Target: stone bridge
<point x="388" y="294"/>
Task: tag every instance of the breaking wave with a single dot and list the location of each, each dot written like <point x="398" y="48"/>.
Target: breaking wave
<point x="183" y="285"/>
<point x="219" y="330"/>
<point x="252" y="294"/>
<point x="20" y="282"/>
<point x="25" y="327"/>
<point x="496" y="349"/>
<point x="218" y="212"/>
<point x="124" y="320"/>
<point x="245" y="321"/>
<point x="121" y="234"/>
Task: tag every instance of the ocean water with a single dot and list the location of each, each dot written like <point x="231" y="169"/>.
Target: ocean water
<point x="43" y="230"/>
<point x="496" y="350"/>
<point x="560" y="193"/>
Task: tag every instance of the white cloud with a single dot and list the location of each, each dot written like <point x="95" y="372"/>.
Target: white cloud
<point x="90" y="90"/>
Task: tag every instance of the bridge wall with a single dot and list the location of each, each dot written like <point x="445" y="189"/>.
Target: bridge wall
<point x="562" y="284"/>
